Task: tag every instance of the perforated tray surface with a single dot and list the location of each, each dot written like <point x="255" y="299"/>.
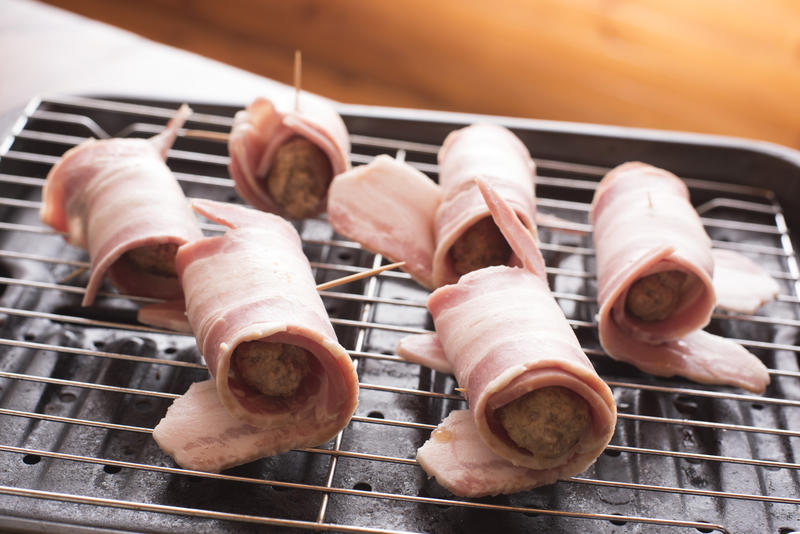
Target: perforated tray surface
<point x="82" y="388"/>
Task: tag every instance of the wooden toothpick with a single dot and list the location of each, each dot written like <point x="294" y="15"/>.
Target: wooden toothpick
<point x="359" y="276"/>
<point x="208" y="135"/>
<point x="298" y="67"/>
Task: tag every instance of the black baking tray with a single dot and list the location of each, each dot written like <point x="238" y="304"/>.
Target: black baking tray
<point x="684" y="458"/>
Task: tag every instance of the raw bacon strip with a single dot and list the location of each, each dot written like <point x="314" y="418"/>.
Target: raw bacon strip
<point x="200" y="434"/>
<point x="644" y="225"/>
<point x="260" y="129"/>
<point x="254" y="283"/>
<point x="504" y="337"/>
<point x="698" y="356"/>
<point x="388" y="207"/>
<point x="112" y="196"/>
<point x="424" y="349"/>
<point x="512" y="229"/>
<point x="170" y="314"/>
<point x="637" y="210"/>
<point x="495" y="154"/>
<point x="461" y="462"/>
<point x="741" y="284"/>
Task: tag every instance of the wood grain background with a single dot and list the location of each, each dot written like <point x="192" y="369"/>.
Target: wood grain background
<point x="717" y="66"/>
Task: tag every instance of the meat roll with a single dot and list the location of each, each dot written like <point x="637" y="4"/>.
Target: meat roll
<point x="440" y="231"/>
<point x="466" y="236"/>
<point x="283" y="162"/>
<point x="278" y="370"/>
<point x="538" y="411"/>
<point x="654" y="275"/>
<point x="117" y="199"/>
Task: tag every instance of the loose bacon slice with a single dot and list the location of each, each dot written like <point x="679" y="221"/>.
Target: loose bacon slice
<point x="170" y="314"/>
<point x="260" y="129"/>
<point x="426" y="350"/>
<point x="496" y="155"/>
<point x="503" y="336"/>
<point x="115" y="195"/>
<point x="388" y="207"/>
<point x="200" y="433"/>
<point x="461" y="462"/>
<point x="254" y="283"/>
<point x="741" y="284"/>
<point x="644" y="224"/>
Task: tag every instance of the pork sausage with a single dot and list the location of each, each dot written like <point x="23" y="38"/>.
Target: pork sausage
<point x="274" y="369"/>
<point x="548" y="421"/>
<point x="654" y="297"/>
<point x="155" y="259"/>
<point x="481" y="245"/>
<point x="299" y="177"/>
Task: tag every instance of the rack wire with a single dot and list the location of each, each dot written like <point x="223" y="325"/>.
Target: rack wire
<point x="82" y="388"/>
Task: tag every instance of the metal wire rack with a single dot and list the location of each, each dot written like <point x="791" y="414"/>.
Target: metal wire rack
<point x="82" y="388"/>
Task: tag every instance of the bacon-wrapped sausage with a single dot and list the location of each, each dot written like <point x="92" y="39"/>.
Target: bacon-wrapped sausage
<point x="444" y="231"/>
<point x="538" y="411"/>
<point x="654" y="274"/>
<point x="280" y="374"/>
<point x="466" y="236"/>
<point x="117" y="199"/>
<point x="283" y="162"/>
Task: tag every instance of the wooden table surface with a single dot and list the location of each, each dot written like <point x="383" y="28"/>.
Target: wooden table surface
<point x="49" y="51"/>
<point x="676" y="65"/>
<point x="712" y="66"/>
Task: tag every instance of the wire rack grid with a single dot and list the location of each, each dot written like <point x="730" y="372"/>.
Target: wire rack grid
<point x="82" y="388"/>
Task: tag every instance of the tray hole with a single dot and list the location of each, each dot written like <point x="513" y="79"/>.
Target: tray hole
<point x="170" y="350"/>
<point x="612" y="452"/>
<point x="375" y="414"/>
<point x="233" y="198"/>
<point x="112" y="469"/>
<point x="281" y="488"/>
<point x="774" y="468"/>
<point x="31" y="459"/>
<point x="67" y="396"/>
<point x="701" y="529"/>
<point x="345" y="256"/>
<point x="788" y="530"/>
<point x="99" y="344"/>
<point x="29" y="337"/>
<point x="757" y="406"/>
<point x="618" y="522"/>
<point x="685" y="405"/>
<point x="362" y="486"/>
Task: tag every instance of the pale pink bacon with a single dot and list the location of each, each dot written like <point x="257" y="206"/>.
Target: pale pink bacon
<point x="200" y="433"/>
<point x="260" y="129"/>
<point x="486" y="151"/>
<point x="254" y="283"/>
<point x="503" y="336"/>
<point x="460" y="461"/>
<point x="392" y="209"/>
<point x="388" y="207"/>
<point x="740" y="283"/>
<point x="114" y="195"/>
<point x="644" y="224"/>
